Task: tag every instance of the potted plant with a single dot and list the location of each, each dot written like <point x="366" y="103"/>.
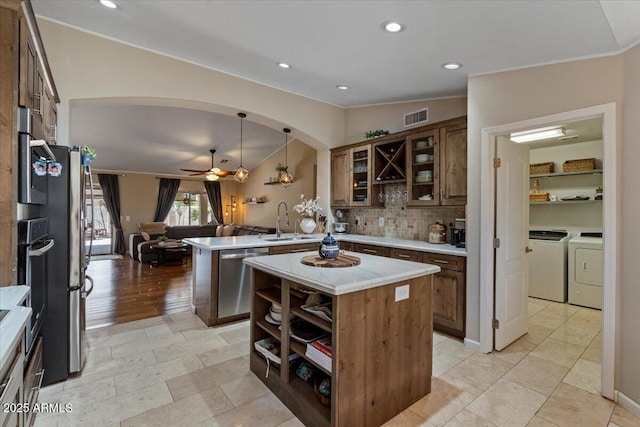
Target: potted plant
<point x="281" y="169"/>
<point x="375" y="133"/>
<point x="162" y="240"/>
<point x="307" y="208"/>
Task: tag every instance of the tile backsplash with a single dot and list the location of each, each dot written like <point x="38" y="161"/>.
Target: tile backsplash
<point x="399" y="220"/>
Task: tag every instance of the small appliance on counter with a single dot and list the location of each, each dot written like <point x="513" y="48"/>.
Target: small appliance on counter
<point x="437" y="233"/>
<point x="339" y="226"/>
<point x="458" y="233"/>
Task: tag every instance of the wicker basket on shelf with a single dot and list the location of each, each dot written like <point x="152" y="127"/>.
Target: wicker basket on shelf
<point x="539" y="197"/>
<point x="536" y="195"/>
<point x="579" y="165"/>
<point x="539" y="168"/>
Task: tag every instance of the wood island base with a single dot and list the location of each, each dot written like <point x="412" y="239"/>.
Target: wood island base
<point x="381" y="350"/>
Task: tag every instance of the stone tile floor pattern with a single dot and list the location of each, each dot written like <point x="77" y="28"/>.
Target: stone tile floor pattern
<point x="174" y="371"/>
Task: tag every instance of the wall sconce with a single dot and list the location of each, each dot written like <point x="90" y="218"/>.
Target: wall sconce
<point x="231" y="208"/>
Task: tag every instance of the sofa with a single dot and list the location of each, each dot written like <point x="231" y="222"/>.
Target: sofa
<point x="140" y="247"/>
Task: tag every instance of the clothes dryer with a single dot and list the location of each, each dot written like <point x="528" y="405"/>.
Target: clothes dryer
<point x="585" y="270"/>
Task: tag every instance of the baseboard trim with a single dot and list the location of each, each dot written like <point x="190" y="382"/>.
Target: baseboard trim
<point x="472" y="345"/>
<point x="628" y="403"/>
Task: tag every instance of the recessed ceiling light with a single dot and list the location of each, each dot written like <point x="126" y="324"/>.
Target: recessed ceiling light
<point x="343" y="87"/>
<point x="452" y="65"/>
<point x="108" y="3"/>
<point x="284" y="65"/>
<point x="393" y="26"/>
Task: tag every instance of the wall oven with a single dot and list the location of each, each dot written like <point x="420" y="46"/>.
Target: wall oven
<point x="33" y="245"/>
<point x="35" y="160"/>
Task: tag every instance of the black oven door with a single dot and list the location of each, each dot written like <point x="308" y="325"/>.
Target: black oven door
<point x="32" y="180"/>
<point x="36" y="278"/>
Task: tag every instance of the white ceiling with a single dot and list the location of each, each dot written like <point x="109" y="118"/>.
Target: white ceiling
<point x="338" y="42"/>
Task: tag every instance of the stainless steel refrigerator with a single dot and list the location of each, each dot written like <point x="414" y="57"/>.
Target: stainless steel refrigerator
<point x="63" y="330"/>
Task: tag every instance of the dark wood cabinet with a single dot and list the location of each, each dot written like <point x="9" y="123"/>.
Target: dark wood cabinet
<point x="406" y="254"/>
<point x="371" y="249"/>
<point x="340" y="166"/>
<point x="431" y="160"/>
<point x="453" y="164"/>
<point x="449" y="293"/>
<point x="288" y="249"/>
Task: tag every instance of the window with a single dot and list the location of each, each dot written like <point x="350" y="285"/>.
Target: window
<point x="185" y="210"/>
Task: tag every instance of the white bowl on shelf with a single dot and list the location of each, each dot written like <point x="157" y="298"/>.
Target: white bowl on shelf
<point x="421" y="158"/>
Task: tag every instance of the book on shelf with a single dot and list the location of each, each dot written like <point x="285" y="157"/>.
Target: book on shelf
<point x="318" y="357"/>
<point x="324" y="345"/>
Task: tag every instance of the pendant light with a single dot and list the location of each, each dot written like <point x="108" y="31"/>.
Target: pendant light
<point x="241" y="175"/>
<point x="286" y="178"/>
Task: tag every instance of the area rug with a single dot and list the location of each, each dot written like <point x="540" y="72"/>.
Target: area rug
<point x="105" y="257"/>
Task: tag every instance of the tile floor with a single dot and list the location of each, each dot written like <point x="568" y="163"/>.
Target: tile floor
<point x="172" y="370"/>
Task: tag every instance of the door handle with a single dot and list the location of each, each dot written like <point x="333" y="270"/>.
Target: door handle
<point x="528" y="249"/>
<point x="86" y="293"/>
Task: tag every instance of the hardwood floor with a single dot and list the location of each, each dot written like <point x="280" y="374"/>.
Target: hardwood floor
<point x="125" y="290"/>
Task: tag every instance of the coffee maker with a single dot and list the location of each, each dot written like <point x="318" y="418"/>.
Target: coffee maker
<point x="458" y="233"/>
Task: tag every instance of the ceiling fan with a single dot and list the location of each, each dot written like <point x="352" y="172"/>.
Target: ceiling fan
<point x="211" y="174"/>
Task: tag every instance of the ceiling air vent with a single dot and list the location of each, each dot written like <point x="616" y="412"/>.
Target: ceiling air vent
<point x="416" y="117"/>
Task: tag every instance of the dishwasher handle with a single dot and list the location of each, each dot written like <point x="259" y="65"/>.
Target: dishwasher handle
<point x="242" y="255"/>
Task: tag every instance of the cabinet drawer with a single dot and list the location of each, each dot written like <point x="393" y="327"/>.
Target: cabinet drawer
<point x="406" y="254"/>
<point x="346" y="246"/>
<point x="288" y="249"/>
<point x="33" y="379"/>
<point x="371" y="249"/>
<point x="11" y="387"/>
<point x="448" y="262"/>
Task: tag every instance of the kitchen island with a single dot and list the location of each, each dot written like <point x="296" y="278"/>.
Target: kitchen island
<point x="379" y="332"/>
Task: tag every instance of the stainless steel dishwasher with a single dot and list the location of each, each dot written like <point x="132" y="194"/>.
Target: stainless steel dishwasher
<point x="234" y="281"/>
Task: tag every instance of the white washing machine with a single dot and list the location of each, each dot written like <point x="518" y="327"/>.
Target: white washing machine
<point x="548" y="264"/>
<point x="585" y="270"/>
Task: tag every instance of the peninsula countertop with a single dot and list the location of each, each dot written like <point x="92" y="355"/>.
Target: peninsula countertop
<point x="12" y="326"/>
<point x="254" y="241"/>
<point x="373" y="271"/>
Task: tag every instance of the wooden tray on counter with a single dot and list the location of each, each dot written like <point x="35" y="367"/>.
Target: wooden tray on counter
<point x="341" y="260"/>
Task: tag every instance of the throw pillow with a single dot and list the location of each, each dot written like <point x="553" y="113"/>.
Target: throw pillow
<point x="227" y="230"/>
<point x="153" y="227"/>
<point x="145" y="235"/>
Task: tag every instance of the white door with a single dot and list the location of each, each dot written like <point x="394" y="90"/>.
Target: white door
<point x="512" y="229"/>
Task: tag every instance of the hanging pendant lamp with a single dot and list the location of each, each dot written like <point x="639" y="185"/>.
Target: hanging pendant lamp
<point x="241" y="175"/>
<point x="286" y="178"/>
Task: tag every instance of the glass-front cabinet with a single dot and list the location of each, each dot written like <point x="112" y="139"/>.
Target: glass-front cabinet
<point x="423" y="180"/>
<point x="361" y="176"/>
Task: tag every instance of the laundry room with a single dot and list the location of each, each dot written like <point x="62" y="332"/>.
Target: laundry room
<point x="565" y="215"/>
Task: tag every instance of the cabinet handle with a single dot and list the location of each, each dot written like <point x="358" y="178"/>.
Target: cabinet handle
<point x="38" y="96"/>
<point x="5" y="387"/>
<point x="404" y="256"/>
<point x="441" y="195"/>
<point x="41" y="375"/>
<point x="369" y="251"/>
<point x="441" y="261"/>
<point x="293" y="251"/>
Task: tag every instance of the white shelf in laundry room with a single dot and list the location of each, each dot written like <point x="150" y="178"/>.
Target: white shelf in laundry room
<point x="558" y="174"/>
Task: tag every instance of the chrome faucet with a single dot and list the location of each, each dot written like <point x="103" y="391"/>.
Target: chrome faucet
<point x="286" y="217"/>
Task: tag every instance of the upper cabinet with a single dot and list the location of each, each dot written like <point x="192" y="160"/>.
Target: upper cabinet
<point x="351" y="177"/>
<point x="36" y="88"/>
<point x="438" y="165"/>
<point x="431" y="160"/>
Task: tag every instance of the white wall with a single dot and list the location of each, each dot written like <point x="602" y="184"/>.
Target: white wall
<point x="629" y="297"/>
<point x="507" y="97"/>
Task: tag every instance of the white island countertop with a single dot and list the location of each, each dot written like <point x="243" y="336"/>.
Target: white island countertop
<point x="254" y="241"/>
<point x="13" y="324"/>
<point x="372" y="272"/>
